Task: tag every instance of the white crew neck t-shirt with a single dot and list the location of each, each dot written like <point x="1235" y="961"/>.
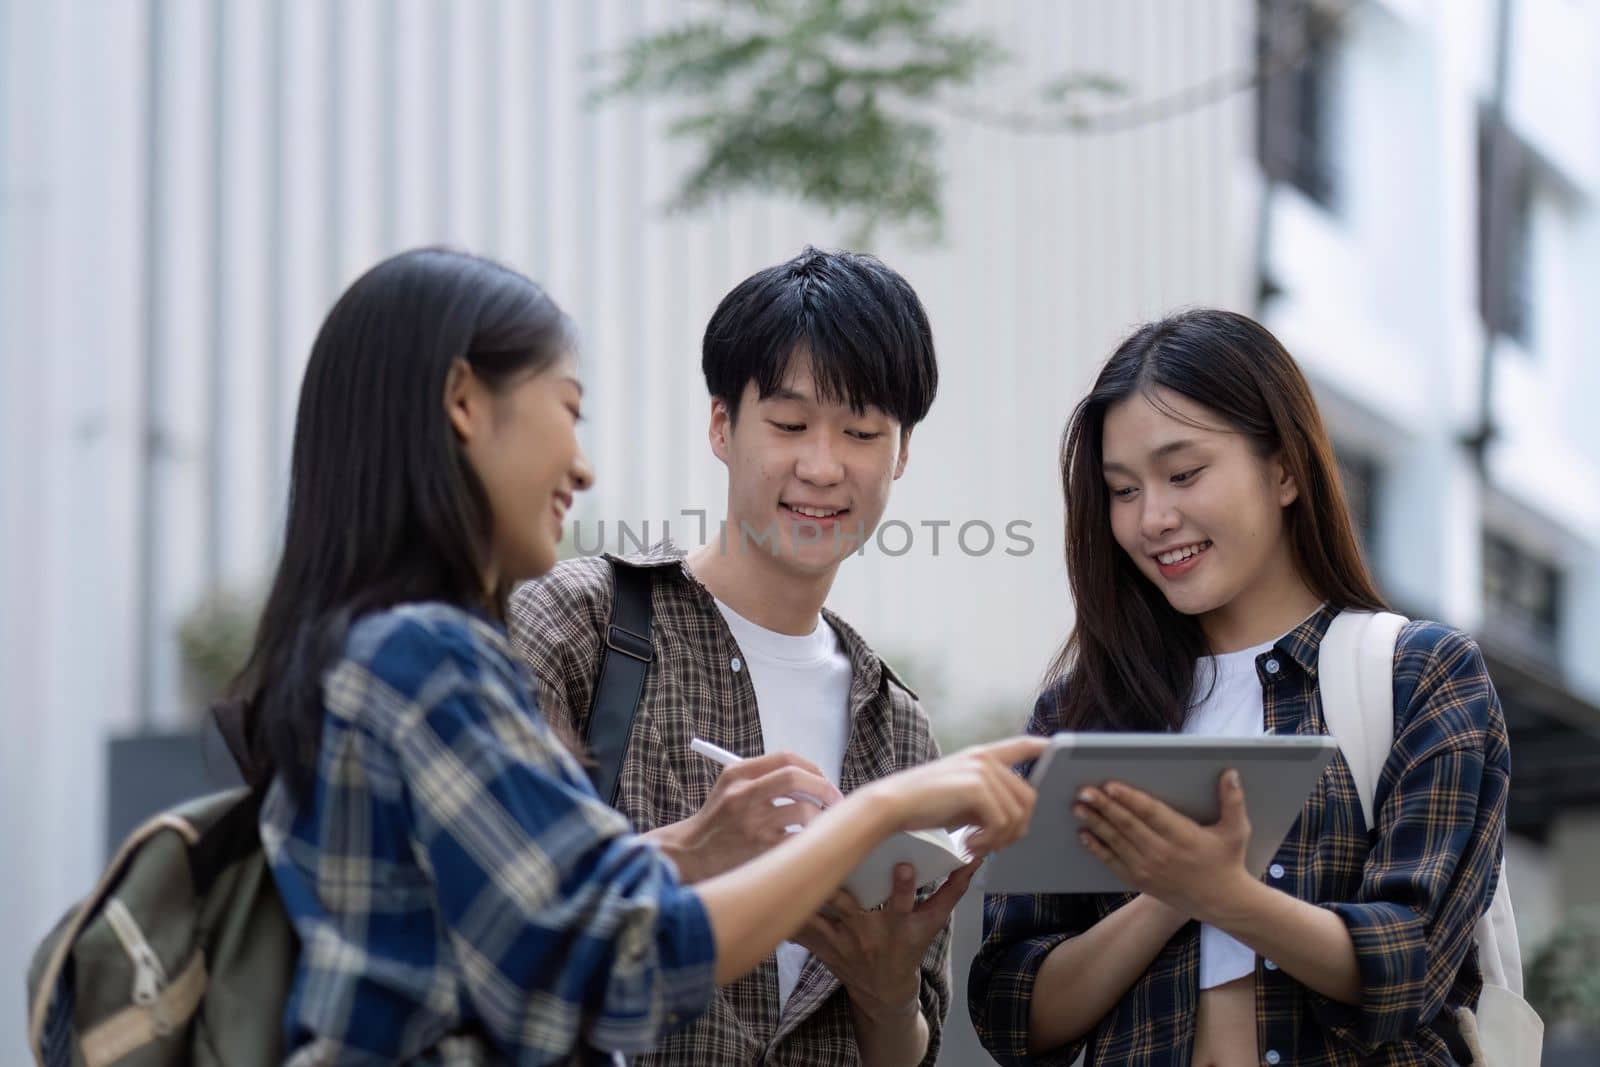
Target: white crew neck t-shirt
<point x="802" y="689"/>
<point x="1233" y="707"/>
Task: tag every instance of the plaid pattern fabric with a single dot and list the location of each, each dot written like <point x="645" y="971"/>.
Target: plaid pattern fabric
<point x="558" y="625"/>
<point x="460" y="893"/>
<point x="1410" y="894"/>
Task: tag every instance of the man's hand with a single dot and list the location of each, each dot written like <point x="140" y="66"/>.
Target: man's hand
<point x="877" y="957"/>
<point x="739" y="820"/>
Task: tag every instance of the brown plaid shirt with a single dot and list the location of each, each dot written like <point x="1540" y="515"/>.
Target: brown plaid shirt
<point x="1410" y="892"/>
<point x="558" y="625"/>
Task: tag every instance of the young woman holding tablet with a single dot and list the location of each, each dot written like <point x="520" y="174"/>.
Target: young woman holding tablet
<point x="1208" y="548"/>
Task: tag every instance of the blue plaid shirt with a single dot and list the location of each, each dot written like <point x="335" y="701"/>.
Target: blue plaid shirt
<point x="1410" y="890"/>
<point x="460" y="893"/>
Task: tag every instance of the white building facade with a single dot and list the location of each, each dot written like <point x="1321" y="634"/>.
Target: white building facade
<point x="1377" y="275"/>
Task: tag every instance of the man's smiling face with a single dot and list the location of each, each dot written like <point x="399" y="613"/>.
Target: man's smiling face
<point x="808" y="479"/>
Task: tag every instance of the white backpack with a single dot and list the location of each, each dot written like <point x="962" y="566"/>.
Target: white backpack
<point x="1356" y="676"/>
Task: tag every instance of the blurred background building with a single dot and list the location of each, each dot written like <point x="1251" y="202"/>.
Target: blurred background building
<point x="1404" y="189"/>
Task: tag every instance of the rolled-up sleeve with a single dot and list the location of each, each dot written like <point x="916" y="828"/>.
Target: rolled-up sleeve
<point x="1019" y="931"/>
<point x="563" y="924"/>
<point x="1440" y="825"/>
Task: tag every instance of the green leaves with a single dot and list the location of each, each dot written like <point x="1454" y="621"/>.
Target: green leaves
<point x="1069" y="85"/>
<point x="814" y="98"/>
<point x="1564" y="976"/>
<point x="214" y="641"/>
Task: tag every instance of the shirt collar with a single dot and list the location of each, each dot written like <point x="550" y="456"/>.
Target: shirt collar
<point x="1301" y="643"/>
<point x="865" y="664"/>
<point x="661" y="554"/>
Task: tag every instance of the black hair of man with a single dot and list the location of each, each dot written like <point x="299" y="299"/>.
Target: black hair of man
<point x="858" y="322"/>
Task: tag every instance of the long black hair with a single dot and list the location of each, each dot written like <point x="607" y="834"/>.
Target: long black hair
<point x="384" y="507"/>
<point x="1129" y="662"/>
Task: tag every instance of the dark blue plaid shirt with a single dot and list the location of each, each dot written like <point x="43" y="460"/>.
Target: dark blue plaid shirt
<point x="1410" y="894"/>
<point x="460" y="893"/>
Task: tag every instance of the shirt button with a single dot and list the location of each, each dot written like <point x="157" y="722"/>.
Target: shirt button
<point x="1276" y="870"/>
<point x="1270" y="965"/>
<point x="1273" y="1057"/>
<point x="1272" y="666"/>
<point x="737" y="665"/>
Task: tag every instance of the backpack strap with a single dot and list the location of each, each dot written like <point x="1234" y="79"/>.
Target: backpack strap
<point x="1355" y="676"/>
<point x="620" y="686"/>
<point x="229" y="716"/>
<point x="230" y="839"/>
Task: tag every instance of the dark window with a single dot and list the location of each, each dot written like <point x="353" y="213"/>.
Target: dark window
<point x="1297" y="52"/>
<point x="1360" y="478"/>
<point x="1505" y="199"/>
<point x="1522" y="597"/>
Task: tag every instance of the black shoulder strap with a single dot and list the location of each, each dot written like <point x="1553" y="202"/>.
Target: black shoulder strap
<point x="229" y="718"/>
<point x="230" y="839"/>
<point x="620" y="687"/>
<point x="234" y="835"/>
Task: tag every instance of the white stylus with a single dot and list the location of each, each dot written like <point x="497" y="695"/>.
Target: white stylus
<point x="718" y="754"/>
<point x="715" y="753"/>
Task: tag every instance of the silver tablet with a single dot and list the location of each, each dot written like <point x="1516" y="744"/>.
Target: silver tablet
<point x="1278" y="772"/>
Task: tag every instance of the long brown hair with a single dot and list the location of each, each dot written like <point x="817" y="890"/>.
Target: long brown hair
<point x="1129" y="662"/>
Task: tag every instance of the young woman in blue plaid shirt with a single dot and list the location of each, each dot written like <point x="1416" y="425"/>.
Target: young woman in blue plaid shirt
<point x="461" y="894"/>
<point x="1206" y="527"/>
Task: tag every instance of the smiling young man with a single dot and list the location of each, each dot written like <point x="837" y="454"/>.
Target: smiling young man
<point x="818" y="370"/>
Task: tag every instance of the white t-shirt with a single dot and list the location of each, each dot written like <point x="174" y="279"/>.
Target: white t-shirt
<point x="802" y="689"/>
<point x="1232" y="708"/>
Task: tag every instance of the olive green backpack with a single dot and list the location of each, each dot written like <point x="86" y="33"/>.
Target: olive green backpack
<point x="182" y="954"/>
